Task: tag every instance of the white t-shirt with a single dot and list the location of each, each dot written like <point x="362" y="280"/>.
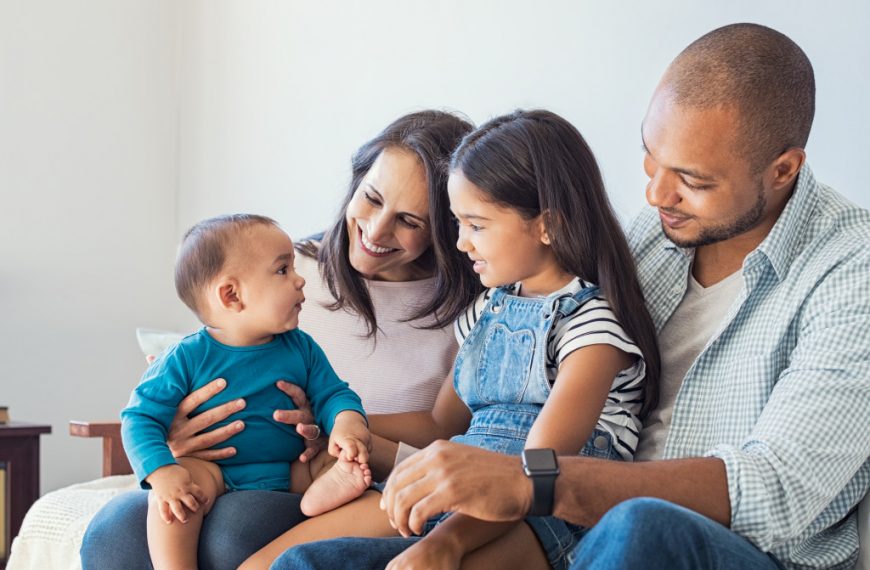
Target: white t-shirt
<point x="403" y="367"/>
<point x="593" y="322"/>
<point x="681" y="340"/>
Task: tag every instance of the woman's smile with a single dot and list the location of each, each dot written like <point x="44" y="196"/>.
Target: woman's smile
<point x="372" y="248"/>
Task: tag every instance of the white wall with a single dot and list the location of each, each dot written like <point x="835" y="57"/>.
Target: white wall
<point x="88" y="177"/>
<point x="277" y="95"/>
<point x="270" y="100"/>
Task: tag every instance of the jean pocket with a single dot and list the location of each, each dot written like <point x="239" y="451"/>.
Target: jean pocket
<point x="503" y="373"/>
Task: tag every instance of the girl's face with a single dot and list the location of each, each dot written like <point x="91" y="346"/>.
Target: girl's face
<point x="388" y="218"/>
<point x="505" y="247"/>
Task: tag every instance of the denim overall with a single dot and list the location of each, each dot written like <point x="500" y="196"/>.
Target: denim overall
<point x="500" y="374"/>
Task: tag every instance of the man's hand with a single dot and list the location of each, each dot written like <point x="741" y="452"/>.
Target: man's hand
<point x="303" y="418"/>
<point x="175" y="493"/>
<point x="451" y="477"/>
<point x="187" y="436"/>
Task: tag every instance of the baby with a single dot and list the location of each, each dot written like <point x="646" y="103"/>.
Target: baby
<point x="236" y="273"/>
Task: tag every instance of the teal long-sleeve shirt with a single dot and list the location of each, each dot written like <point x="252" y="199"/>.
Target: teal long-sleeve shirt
<point x="265" y="448"/>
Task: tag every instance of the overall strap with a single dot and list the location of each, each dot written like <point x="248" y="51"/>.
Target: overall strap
<point x="568" y="303"/>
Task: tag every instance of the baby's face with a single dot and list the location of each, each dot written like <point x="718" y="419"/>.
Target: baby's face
<point x="270" y="287"/>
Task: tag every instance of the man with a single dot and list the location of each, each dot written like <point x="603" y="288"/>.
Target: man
<point x="758" y="279"/>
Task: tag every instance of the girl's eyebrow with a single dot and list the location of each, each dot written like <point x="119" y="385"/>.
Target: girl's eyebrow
<point x="421" y="219"/>
<point x="471" y="217"/>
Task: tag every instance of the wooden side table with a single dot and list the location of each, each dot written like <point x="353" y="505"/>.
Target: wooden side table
<point x="19" y="454"/>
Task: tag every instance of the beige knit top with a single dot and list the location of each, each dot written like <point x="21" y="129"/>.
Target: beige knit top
<point x="404" y="370"/>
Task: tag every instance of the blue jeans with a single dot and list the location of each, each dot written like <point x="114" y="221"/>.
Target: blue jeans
<point x="639" y="533"/>
<point x="241" y="523"/>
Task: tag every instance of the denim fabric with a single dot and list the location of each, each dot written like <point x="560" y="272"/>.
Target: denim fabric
<point x="640" y="533"/>
<point x="240" y="524"/>
<point x="501" y="376"/>
<point x="504" y="357"/>
<point x="658" y="535"/>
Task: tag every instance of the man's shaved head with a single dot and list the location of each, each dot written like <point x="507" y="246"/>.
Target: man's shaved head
<point x="762" y="73"/>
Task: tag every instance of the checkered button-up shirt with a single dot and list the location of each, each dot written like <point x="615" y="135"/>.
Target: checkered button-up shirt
<point x="781" y="392"/>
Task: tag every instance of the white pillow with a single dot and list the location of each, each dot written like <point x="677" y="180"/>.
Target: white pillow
<point x="153" y="341"/>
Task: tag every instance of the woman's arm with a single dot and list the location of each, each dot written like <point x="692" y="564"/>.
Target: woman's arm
<point x="449" y="416"/>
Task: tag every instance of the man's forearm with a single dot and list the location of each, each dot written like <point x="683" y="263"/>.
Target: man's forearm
<point x="587" y="488"/>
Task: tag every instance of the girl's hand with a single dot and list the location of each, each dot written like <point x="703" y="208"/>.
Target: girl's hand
<point x="175" y="493"/>
<point x="427" y="554"/>
<point x="187" y="437"/>
<point x="303" y="418"/>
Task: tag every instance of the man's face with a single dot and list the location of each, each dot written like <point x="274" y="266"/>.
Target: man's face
<point x="701" y="184"/>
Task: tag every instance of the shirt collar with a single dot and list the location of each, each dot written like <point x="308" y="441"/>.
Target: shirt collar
<point x="781" y="245"/>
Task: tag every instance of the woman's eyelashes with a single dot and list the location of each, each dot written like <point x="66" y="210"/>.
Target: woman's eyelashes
<point x="408" y="223"/>
<point x="372" y="199"/>
<point x="375" y="201"/>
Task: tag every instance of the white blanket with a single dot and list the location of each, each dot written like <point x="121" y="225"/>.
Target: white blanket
<point x="52" y="530"/>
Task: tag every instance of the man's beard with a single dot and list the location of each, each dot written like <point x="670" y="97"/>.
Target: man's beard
<point x="747" y="221"/>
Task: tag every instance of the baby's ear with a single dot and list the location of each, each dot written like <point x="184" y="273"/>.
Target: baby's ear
<point x="228" y="293"/>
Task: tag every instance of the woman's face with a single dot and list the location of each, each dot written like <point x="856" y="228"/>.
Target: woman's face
<point x="388" y="218"/>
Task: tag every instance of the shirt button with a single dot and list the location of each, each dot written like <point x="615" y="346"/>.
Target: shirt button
<point x="600" y="442"/>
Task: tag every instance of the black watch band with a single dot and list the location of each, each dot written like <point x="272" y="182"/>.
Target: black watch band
<point x="541" y="466"/>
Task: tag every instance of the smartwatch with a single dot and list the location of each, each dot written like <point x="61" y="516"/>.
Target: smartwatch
<point x="541" y="466"/>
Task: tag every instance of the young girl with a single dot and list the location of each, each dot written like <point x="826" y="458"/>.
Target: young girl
<point x="558" y="353"/>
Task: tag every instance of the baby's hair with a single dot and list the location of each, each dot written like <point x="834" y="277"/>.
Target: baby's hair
<point x="535" y="162"/>
<point x="203" y="252"/>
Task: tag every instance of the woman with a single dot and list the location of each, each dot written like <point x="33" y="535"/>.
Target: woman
<point x="384" y="285"/>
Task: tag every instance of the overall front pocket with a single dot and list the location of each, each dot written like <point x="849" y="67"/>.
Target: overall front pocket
<point x="505" y="364"/>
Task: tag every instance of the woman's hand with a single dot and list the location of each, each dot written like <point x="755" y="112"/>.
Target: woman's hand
<point x="186" y="436"/>
<point x="303" y="418"/>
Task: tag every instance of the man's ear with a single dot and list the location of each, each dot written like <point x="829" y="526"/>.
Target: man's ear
<point x="229" y="294"/>
<point x="786" y="167"/>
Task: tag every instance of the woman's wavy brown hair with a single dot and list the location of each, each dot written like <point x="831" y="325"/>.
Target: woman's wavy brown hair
<point x="432" y="136"/>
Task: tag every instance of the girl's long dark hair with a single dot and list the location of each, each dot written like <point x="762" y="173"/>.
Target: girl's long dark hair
<point x="432" y="136"/>
<point x="537" y="162"/>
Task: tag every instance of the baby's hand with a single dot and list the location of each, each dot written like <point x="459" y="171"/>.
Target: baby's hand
<point x="350" y="436"/>
<point x="175" y="493"/>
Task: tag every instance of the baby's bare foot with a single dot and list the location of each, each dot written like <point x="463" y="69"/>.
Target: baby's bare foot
<point x="345" y="481"/>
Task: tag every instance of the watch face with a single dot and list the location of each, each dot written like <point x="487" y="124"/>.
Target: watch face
<point x="540" y="460"/>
